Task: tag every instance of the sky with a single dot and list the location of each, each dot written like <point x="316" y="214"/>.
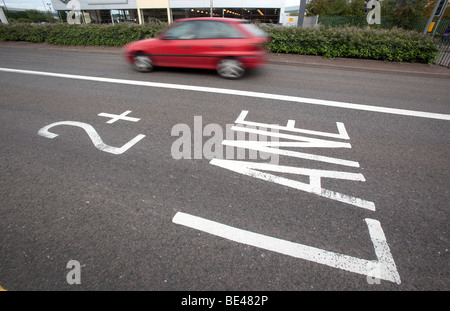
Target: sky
<point x="39" y="4"/>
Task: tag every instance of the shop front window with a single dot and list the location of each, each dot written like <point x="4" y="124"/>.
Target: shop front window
<point x="264" y="15"/>
<point x="154" y="16"/>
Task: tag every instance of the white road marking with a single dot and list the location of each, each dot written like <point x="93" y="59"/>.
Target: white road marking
<point x="93" y="135"/>
<point x="342" y="132"/>
<point x="307" y="142"/>
<point x="314" y="186"/>
<point x="116" y="117"/>
<point x="303" y="100"/>
<point x="383" y="268"/>
<point x="266" y="147"/>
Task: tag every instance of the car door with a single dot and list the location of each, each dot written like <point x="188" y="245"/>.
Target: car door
<point x="216" y="40"/>
<point x="176" y="46"/>
<point x="198" y="44"/>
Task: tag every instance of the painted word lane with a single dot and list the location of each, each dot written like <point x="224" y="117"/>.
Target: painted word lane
<point x="268" y="140"/>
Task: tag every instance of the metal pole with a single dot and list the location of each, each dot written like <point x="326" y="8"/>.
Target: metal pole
<point x="301" y="13"/>
<point x="169" y="15"/>
<point x="211" y="7"/>
<point x="4" y="5"/>
<point x="444" y="7"/>
<point x="431" y="17"/>
<point x="3" y="18"/>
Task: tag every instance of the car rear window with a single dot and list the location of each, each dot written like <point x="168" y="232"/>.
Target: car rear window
<point x="217" y="30"/>
<point x="254" y="30"/>
<point x="197" y="29"/>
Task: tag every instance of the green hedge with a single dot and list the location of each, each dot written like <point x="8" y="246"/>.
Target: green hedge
<point x="65" y="34"/>
<point x="383" y="44"/>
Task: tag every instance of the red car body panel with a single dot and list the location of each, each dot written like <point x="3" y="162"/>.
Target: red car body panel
<point x="202" y="53"/>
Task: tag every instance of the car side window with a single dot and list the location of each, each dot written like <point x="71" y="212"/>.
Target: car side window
<point x="217" y="30"/>
<point x="183" y="31"/>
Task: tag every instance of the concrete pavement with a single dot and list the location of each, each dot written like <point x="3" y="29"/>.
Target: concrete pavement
<point x="367" y="65"/>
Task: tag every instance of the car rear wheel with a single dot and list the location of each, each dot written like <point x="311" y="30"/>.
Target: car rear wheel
<point x="142" y="63"/>
<point x="230" y="68"/>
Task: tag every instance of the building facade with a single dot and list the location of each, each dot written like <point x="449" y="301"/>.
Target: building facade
<point x="157" y="11"/>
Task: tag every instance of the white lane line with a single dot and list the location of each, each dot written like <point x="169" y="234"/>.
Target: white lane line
<point x="382" y="268"/>
<point x="303" y="100"/>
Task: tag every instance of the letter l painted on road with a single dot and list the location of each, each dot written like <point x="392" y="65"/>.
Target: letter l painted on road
<point x="384" y="268"/>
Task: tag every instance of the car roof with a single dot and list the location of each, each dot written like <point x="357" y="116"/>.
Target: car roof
<point x="226" y="19"/>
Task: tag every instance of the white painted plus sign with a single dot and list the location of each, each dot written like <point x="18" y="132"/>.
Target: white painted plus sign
<point x="115" y="117"/>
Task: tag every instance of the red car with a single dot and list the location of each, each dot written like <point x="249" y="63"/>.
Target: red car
<point x="227" y="45"/>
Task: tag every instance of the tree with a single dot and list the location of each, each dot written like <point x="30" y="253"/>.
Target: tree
<point x="317" y="7"/>
<point x="355" y="8"/>
<point x="404" y="12"/>
<point x="336" y="8"/>
<point x="30" y="16"/>
<point x="352" y="8"/>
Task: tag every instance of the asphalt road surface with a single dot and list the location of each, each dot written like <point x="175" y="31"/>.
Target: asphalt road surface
<point x="108" y="180"/>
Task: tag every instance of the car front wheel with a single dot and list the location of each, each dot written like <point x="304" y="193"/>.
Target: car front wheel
<point x="230" y="68"/>
<point x="142" y="63"/>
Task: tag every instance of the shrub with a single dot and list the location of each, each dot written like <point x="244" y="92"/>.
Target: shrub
<point x="65" y="34"/>
<point x="383" y="44"/>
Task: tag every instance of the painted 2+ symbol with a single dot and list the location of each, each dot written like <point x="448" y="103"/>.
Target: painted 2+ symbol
<point x="93" y="135"/>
